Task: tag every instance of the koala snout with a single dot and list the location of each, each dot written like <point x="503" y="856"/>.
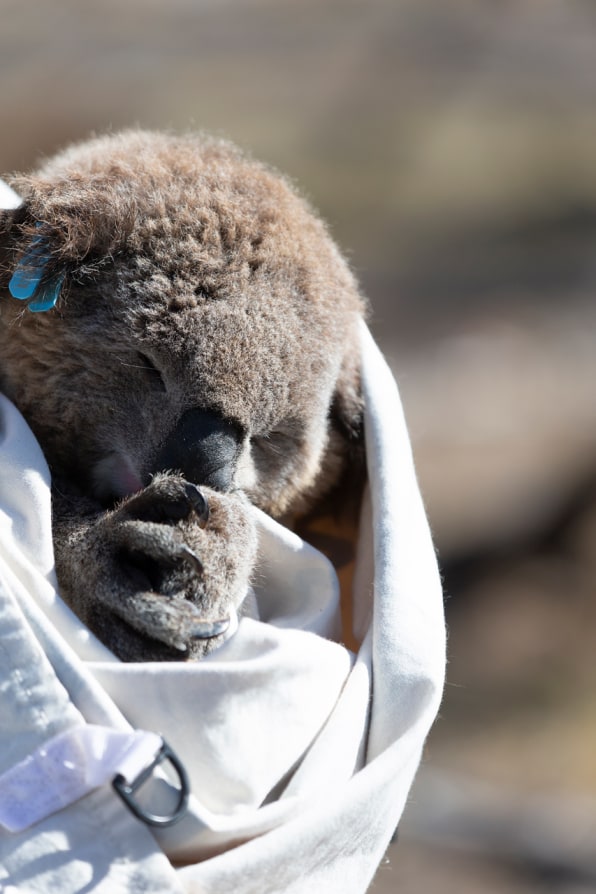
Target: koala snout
<point x="204" y="448"/>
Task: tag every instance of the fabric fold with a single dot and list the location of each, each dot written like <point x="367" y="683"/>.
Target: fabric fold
<point x="301" y="752"/>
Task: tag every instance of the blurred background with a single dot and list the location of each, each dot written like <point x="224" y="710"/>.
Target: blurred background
<point x="451" y="146"/>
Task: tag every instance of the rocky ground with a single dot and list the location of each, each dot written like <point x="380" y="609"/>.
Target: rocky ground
<point x="451" y="146"/>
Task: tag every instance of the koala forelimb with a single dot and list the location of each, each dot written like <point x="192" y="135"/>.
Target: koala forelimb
<point x="170" y="574"/>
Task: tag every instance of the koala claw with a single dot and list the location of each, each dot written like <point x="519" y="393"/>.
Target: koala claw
<point x="167" y="500"/>
<point x="205" y="629"/>
<point x="199" y="503"/>
<point x="187" y="553"/>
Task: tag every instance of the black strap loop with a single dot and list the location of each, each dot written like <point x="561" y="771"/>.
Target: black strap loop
<point x="126" y="790"/>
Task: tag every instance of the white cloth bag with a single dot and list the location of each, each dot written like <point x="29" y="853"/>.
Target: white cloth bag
<point x="300" y="753"/>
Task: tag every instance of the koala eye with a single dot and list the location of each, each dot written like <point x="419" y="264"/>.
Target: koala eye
<point x="152" y="371"/>
<point x="281" y="441"/>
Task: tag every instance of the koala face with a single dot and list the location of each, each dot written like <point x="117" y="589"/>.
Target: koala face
<point x="206" y="324"/>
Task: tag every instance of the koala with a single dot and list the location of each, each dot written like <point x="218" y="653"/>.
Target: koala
<point x="181" y="334"/>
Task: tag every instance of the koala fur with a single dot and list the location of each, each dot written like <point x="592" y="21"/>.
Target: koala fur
<point x="202" y="355"/>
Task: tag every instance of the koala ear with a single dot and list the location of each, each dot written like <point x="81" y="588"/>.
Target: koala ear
<point x="332" y="523"/>
<point x="347" y="423"/>
<point x="344" y="462"/>
<point x="9" y="203"/>
<point x="347" y="406"/>
<point x="25" y="255"/>
<point x="12" y="212"/>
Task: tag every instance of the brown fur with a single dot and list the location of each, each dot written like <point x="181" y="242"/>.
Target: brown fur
<point x="196" y="279"/>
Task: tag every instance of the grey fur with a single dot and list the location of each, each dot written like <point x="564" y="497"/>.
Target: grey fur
<point x="200" y="290"/>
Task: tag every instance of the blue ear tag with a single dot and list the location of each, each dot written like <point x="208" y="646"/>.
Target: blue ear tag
<point x="47" y="296"/>
<point x="29" y="273"/>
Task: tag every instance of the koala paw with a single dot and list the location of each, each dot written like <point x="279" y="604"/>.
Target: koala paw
<point x="160" y="576"/>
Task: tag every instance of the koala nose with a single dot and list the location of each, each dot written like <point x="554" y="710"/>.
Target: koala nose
<point x="204" y="447"/>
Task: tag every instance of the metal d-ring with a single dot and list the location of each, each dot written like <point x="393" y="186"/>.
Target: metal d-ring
<point x="126" y="790"/>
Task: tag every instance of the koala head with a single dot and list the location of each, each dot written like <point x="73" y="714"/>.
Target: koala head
<point x="204" y="323"/>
